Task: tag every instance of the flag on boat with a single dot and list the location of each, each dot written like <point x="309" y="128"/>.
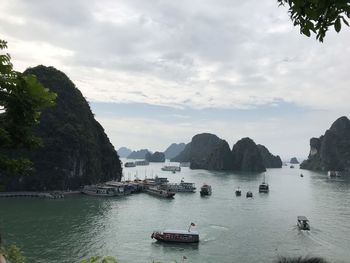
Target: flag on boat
<point x="193" y="224"/>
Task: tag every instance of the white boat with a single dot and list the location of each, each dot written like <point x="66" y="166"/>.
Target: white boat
<point x="96" y="190"/>
<point x="160" y="192"/>
<point x="171" y="168"/>
<point x="129" y="164"/>
<point x="182" y="187"/>
<point x="303" y="223"/>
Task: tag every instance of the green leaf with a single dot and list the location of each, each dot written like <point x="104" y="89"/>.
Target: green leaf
<point x="337" y="25"/>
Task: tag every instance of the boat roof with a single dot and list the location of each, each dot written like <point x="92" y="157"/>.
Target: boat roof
<point x="184" y="232"/>
<point x="302" y="218"/>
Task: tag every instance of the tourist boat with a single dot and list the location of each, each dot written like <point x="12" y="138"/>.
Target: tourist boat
<point x="171" y="168"/>
<point x="205" y="190"/>
<point x="249" y="194"/>
<point x="96" y="190"/>
<point x="129" y="164"/>
<point x="160" y="192"/>
<point x="334" y="173"/>
<point x="141" y="163"/>
<point x="182" y="187"/>
<point x="263" y="188"/>
<point x="180" y="236"/>
<point x="303" y="223"/>
<point x="238" y="191"/>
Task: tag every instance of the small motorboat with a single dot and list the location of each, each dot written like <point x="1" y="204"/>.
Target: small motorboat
<point x="205" y="190"/>
<point x="292" y="166"/>
<point x="249" y="194"/>
<point x="303" y="223"/>
<point x="180" y="236"/>
<point x="238" y="192"/>
<point x="301" y="175"/>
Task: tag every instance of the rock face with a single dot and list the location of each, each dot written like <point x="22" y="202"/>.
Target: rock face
<point x="206" y="151"/>
<point x="332" y="150"/>
<point x="209" y="152"/>
<point x="157" y="157"/>
<point x="246" y="156"/>
<point x="294" y="160"/>
<point x="173" y="150"/>
<point x="76" y="151"/>
<point x="183" y="156"/>
<point x="124" y="152"/>
<point x="141" y="154"/>
<point x="270" y="161"/>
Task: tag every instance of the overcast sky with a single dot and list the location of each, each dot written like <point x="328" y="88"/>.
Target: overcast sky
<point x="161" y="71"/>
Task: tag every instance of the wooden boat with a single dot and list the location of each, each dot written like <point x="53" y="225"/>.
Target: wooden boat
<point x="238" y="192"/>
<point x="180" y="236"/>
<point x="301" y="175"/>
<point x="249" y="194"/>
<point x="303" y="223"/>
<point x="160" y="192"/>
<point x="292" y="166"/>
<point x="171" y="168"/>
<point x="205" y="190"/>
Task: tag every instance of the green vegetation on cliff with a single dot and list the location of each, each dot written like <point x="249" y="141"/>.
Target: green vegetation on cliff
<point x="76" y="151"/>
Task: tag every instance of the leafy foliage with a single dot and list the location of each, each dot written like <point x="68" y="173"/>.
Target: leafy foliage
<point x="21" y="99"/>
<point x="98" y="259"/>
<point x="318" y="16"/>
<point x="13" y="254"/>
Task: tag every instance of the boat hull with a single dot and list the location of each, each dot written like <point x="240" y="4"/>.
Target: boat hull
<point x="170" y="238"/>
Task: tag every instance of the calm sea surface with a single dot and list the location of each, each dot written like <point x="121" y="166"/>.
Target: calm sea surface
<point x="232" y="229"/>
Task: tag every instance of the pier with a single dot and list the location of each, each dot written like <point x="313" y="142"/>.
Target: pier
<point x="53" y="195"/>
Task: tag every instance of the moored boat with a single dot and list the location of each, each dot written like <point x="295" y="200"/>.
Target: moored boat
<point x="96" y="190"/>
<point x="205" y="190"/>
<point x="160" y="192"/>
<point x="129" y="164"/>
<point x="181" y="236"/>
<point x="303" y="223"/>
<point x="182" y="187"/>
<point x="263" y="188"/>
<point x="238" y="191"/>
<point x="171" y="168"/>
<point x="249" y="194"/>
<point x="141" y="163"/>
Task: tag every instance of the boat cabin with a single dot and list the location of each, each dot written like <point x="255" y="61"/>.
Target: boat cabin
<point x="181" y="236"/>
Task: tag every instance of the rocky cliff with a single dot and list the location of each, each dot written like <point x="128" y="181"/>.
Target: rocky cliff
<point x="246" y="156"/>
<point x="332" y="150"/>
<point x="76" y="151"/>
<point x="174" y="150"/>
<point x="141" y="154"/>
<point x="270" y="161"/>
<point x="157" y="157"/>
<point x="294" y="160"/>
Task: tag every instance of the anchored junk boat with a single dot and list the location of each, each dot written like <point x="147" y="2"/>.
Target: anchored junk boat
<point x="181" y="236"/>
<point x="171" y="168"/>
<point x="160" y="192"/>
<point x="96" y="190"/>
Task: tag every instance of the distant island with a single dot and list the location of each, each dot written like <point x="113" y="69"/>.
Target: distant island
<point x="208" y="151"/>
<point x="157" y="157"/>
<point x="75" y="151"/>
<point x="331" y="151"/>
<point x="294" y="160"/>
<point x="174" y="149"/>
<point x="140" y="154"/>
<point x="124" y="152"/>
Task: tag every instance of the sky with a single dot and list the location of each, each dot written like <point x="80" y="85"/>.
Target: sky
<point x="160" y="71"/>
